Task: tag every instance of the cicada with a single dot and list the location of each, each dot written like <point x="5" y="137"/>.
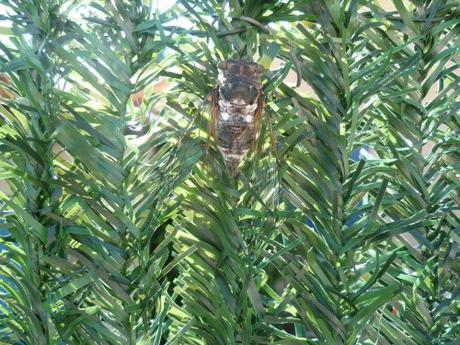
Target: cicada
<point x="236" y="108"/>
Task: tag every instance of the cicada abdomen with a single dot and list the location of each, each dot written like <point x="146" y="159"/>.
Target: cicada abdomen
<point x="236" y="108"/>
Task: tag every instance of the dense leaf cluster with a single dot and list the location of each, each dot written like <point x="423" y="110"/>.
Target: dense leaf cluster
<point x="341" y="227"/>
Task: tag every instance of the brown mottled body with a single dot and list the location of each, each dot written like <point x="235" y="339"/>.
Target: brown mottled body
<point x="236" y="108"/>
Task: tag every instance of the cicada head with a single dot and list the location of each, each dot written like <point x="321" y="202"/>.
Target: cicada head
<point x="240" y="81"/>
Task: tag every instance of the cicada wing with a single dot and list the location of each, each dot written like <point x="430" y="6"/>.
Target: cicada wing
<point x="258" y="116"/>
<point x="214" y="113"/>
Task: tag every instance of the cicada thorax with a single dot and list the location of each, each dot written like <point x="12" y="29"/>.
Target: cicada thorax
<point x="236" y="110"/>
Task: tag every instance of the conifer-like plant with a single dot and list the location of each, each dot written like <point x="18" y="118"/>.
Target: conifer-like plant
<point x="122" y="223"/>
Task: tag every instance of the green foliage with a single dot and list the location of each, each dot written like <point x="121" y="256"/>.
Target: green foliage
<point x="113" y="238"/>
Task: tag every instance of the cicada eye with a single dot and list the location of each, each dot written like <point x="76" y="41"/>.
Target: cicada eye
<point x="253" y="94"/>
<point x="224" y="92"/>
